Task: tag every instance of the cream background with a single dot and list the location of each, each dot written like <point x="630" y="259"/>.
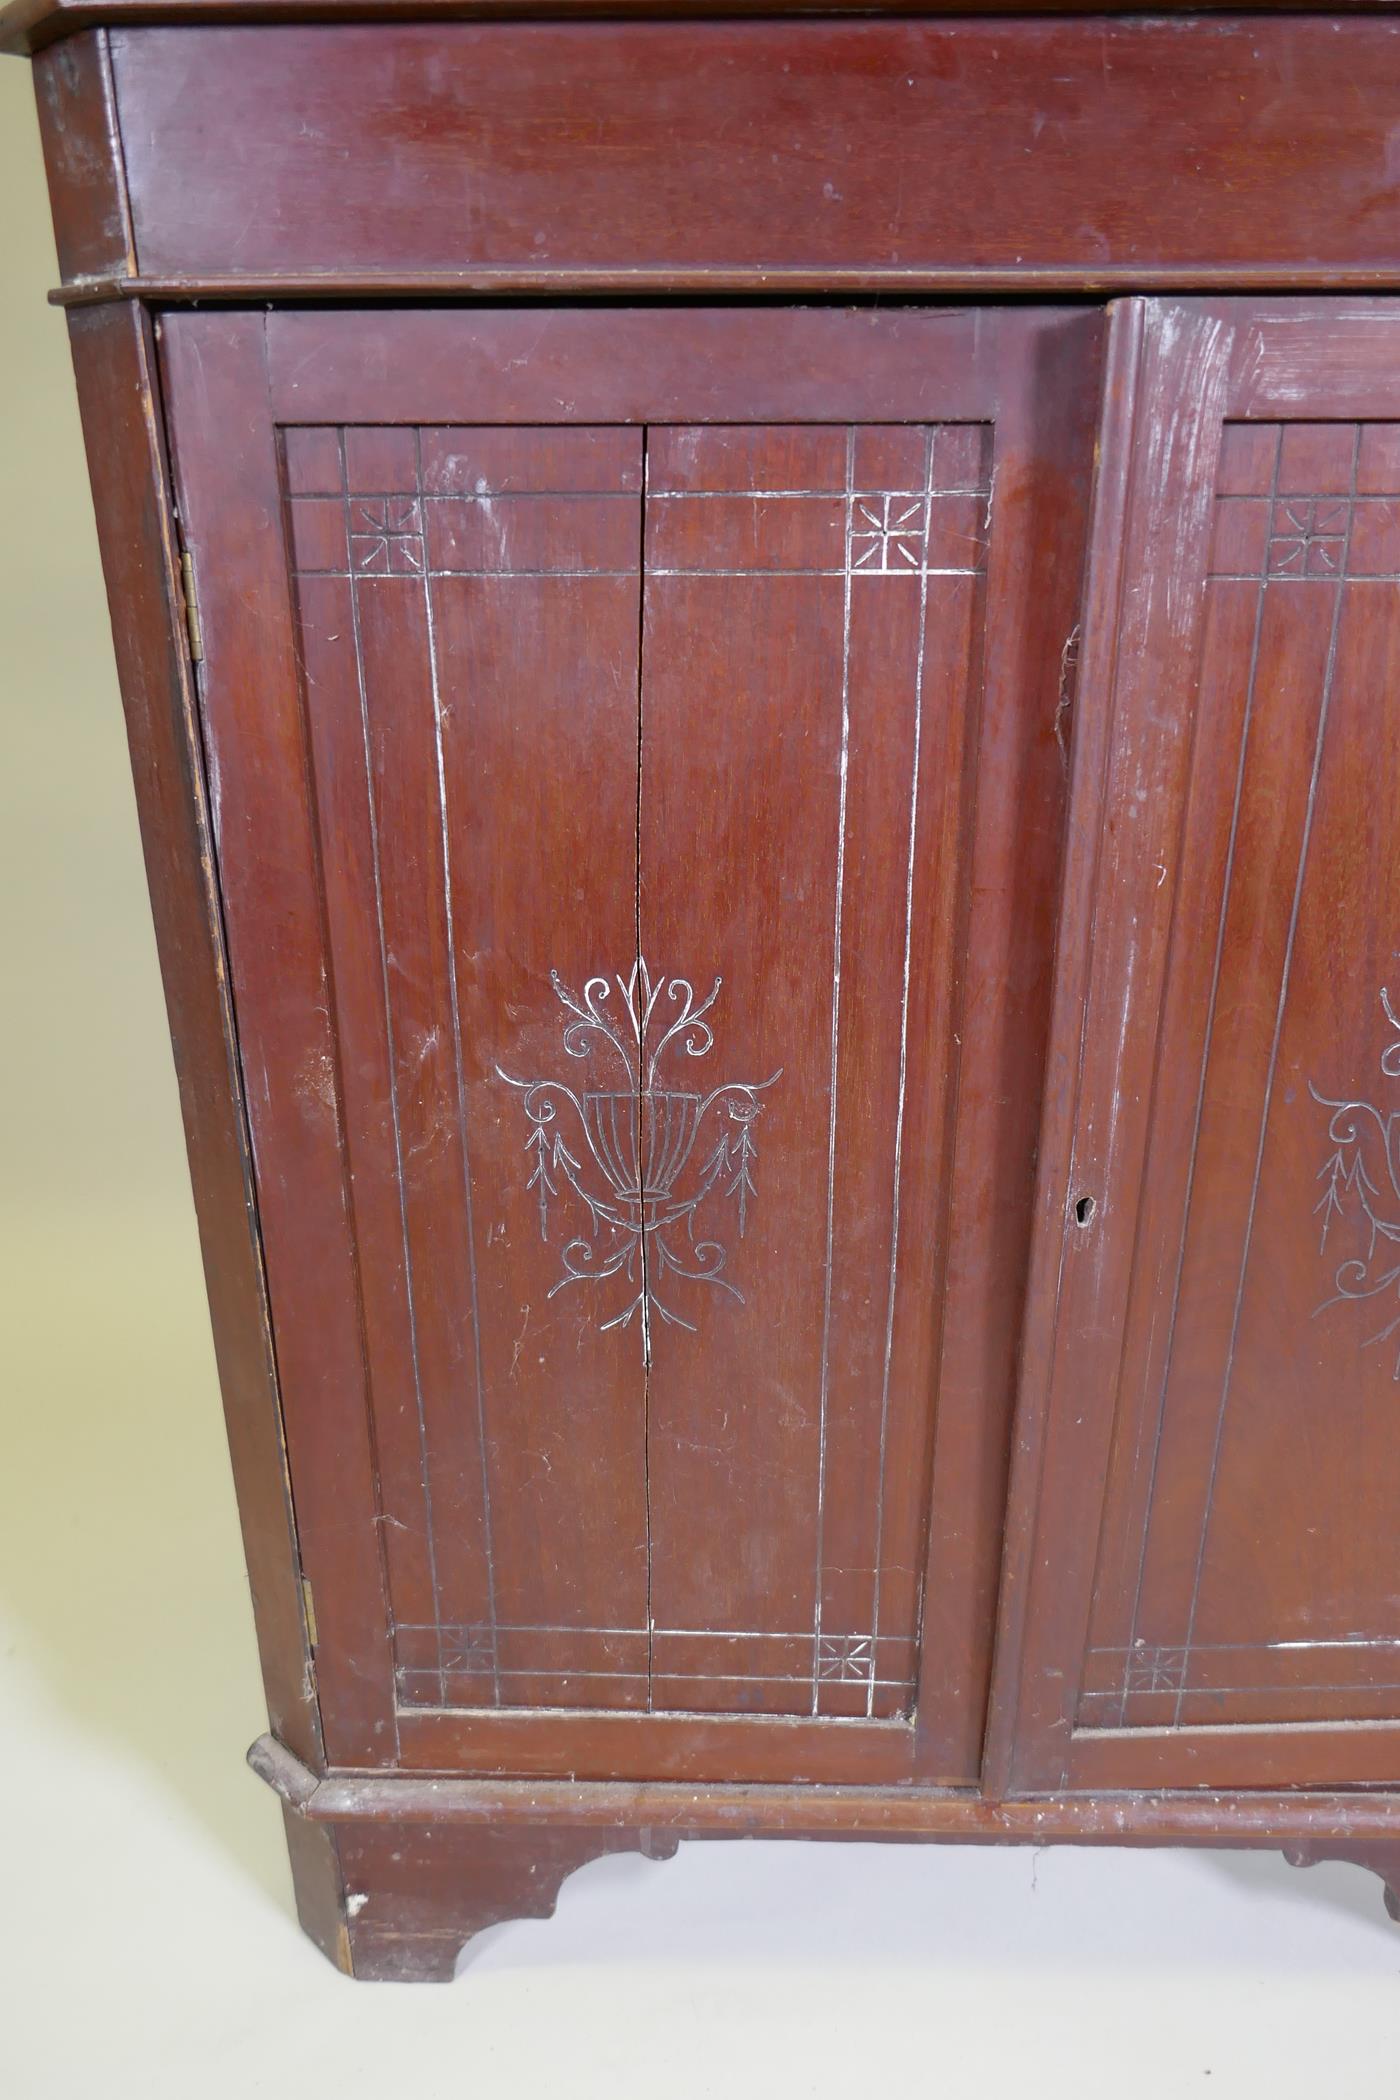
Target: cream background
<point x="145" y="1936"/>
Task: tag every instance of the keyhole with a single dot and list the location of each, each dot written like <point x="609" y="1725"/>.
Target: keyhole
<point x="1084" y="1210"/>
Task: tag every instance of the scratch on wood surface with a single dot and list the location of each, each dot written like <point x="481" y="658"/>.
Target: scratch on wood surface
<point x="1069" y="669"/>
<point x="518" y="1345"/>
<point x="315" y="1081"/>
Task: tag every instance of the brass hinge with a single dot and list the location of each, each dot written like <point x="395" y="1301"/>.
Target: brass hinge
<point x="309" y="1607"/>
<point x="192" y="623"/>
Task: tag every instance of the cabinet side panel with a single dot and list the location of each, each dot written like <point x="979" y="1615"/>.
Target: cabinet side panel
<point x="83" y="156"/>
<point x="112" y="357"/>
<point x="270" y="879"/>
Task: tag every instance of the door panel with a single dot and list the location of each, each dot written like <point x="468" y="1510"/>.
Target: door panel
<point x="1225" y="1371"/>
<point x="663" y="754"/>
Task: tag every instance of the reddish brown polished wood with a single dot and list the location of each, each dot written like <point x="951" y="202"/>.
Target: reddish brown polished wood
<point x="113" y="363"/>
<point x="28" y="25"/>
<point x="1256" y="1817"/>
<point x="656" y="1480"/>
<point x="1216" y="1302"/>
<point x="603" y="674"/>
<point x="82" y="152"/>
<point x="397" y="1904"/>
<point x="762" y="152"/>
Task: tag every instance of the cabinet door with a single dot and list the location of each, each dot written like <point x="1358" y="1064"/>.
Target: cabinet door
<point x="633" y="751"/>
<point x="1213" y="1582"/>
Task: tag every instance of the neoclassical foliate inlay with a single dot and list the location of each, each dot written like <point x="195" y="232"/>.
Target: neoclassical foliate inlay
<point x="1360" y="1184"/>
<point x="641" y="1168"/>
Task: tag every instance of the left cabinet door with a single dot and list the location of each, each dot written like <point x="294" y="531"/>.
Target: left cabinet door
<point x="633" y="744"/>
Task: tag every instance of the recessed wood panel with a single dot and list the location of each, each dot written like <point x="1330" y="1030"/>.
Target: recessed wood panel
<point x="705" y="1319"/>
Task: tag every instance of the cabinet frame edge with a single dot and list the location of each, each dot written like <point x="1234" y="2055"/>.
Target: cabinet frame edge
<point x="113" y="350"/>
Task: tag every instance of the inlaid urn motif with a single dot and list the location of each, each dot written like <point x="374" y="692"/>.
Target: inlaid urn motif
<point x="653" y="1162"/>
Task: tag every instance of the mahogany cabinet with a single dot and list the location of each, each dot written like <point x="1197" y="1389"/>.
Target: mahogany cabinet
<point x="762" y="660"/>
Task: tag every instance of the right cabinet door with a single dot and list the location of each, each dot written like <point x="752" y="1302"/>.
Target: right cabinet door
<point x="1204" y="1581"/>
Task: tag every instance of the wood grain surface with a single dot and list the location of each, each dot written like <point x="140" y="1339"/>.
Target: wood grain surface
<point x="28" y="25"/>
<point x="748" y="1294"/>
<point x="826" y="153"/>
<point x="677" y="812"/>
<point x="114" y="365"/>
<point x="1221" y="1464"/>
